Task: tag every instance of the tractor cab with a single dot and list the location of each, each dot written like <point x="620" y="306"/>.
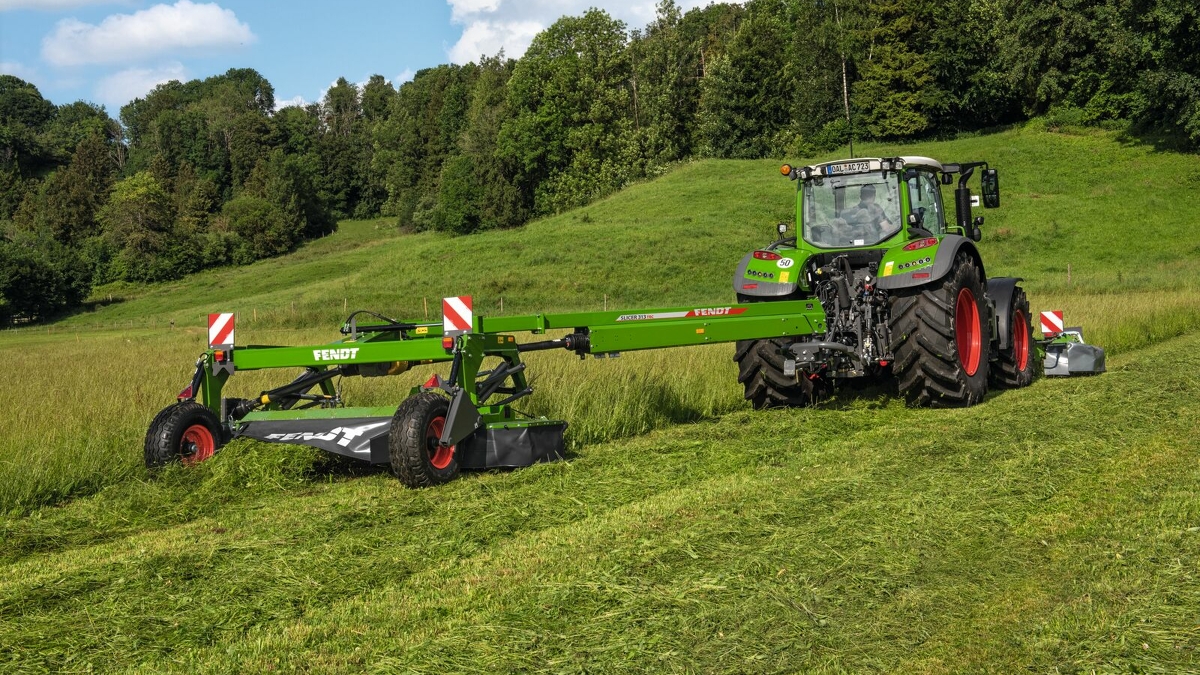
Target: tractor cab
<point x="883" y="214"/>
<point x="866" y="202"/>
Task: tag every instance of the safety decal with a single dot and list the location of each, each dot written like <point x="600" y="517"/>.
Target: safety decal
<point x="1052" y="323"/>
<point x="784" y="263"/>
<point x="456" y="315"/>
<point x="220" y="329"/>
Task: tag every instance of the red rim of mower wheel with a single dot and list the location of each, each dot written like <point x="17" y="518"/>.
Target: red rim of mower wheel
<point x="439" y="456"/>
<point x="1020" y="339"/>
<point x="197" y="444"/>
<point x="967" y="331"/>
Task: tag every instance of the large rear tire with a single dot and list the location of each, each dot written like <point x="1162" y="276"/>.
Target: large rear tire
<point x="185" y="432"/>
<point x="1015" y="365"/>
<point x="416" y="458"/>
<point x="940" y="340"/>
<point x="760" y="370"/>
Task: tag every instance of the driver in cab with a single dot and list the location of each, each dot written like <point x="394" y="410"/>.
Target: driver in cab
<point x="868" y="214"/>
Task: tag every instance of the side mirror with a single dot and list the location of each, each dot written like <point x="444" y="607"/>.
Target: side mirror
<point x="991" y="189"/>
<point x="947" y="179"/>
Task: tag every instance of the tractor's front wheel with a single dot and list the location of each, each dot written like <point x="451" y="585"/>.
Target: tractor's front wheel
<point x="940" y="339"/>
<point x="185" y="432"/>
<point x="760" y="370"/>
<point x="416" y="457"/>
<point x="1015" y="365"/>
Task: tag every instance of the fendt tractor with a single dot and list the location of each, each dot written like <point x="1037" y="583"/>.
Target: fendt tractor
<point x="903" y="288"/>
<point x="878" y="284"/>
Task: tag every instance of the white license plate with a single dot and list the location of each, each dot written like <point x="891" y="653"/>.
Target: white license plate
<point x="848" y="167"/>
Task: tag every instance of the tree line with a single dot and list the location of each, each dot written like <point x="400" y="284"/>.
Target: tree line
<point x="209" y="173"/>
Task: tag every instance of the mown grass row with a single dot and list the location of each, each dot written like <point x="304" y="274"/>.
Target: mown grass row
<point x="1052" y="529"/>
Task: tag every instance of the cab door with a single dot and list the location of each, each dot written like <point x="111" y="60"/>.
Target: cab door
<point x="925" y="200"/>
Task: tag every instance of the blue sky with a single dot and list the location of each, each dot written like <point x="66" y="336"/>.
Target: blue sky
<point x="111" y="51"/>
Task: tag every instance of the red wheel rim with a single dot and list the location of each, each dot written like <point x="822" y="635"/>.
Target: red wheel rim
<point x="967" y="332"/>
<point x="1020" y="339"/>
<point x="197" y="444"/>
<point x="439" y="456"/>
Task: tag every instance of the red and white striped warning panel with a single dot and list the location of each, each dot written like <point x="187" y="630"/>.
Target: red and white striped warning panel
<point x="706" y="311"/>
<point x="456" y="315"/>
<point x="1052" y="322"/>
<point x="220" y="329"/>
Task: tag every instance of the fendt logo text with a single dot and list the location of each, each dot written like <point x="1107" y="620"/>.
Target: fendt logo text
<point x="349" y="433"/>
<point x="346" y="354"/>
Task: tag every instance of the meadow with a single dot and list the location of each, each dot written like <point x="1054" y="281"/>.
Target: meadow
<point x="1052" y="528"/>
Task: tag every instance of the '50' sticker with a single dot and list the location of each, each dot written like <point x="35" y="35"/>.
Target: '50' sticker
<point x="784" y="263"/>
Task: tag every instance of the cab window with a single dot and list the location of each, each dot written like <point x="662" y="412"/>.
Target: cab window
<point x="925" y="197"/>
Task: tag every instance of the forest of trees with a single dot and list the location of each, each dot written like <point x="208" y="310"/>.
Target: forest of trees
<point x="208" y="173"/>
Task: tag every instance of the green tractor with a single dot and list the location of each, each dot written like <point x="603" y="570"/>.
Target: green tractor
<point x="903" y="287"/>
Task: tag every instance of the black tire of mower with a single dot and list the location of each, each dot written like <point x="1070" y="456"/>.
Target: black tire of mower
<point x="164" y="438"/>
<point x="1005" y="371"/>
<point x="927" y="365"/>
<point x="760" y="370"/>
<point x="408" y="443"/>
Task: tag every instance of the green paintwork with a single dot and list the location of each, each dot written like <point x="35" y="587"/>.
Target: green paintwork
<point x="317" y="414"/>
<point x="608" y="332"/>
<point x="898" y="261"/>
<point x="893" y="245"/>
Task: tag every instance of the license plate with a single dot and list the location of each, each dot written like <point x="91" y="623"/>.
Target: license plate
<point x="848" y="167"/>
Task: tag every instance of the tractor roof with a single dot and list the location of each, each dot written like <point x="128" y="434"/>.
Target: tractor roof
<point x="868" y="164"/>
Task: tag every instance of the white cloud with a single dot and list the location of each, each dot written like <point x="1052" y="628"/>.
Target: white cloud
<point x="405" y="76"/>
<point x="50" y="5"/>
<point x="122" y="87"/>
<point x="463" y="9"/>
<point x="484" y="37"/>
<point x="492" y="25"/>
<point x="293" y="102"/>
<point x="125" y="38"/>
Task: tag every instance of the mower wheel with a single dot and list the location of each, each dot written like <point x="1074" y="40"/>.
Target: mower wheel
<point x="185" y="432"/>
<point x="417" y="459"/>
<point x="940" y="339"/>
<point x="760" y="370"/>
<point x="1015" y="366"/>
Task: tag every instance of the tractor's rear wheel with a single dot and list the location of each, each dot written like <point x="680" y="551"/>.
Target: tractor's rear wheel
<point x="940" y="339"/>
<point x="1015" y="365"/>
<point x="416" y="457"/>
<point x="760" y="370"/>
<point x="185" y="432"/>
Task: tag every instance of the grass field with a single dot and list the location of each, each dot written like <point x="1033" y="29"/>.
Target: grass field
<point x="1051" y="529"/>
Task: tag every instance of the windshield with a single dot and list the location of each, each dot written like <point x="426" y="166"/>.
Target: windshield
<point x="855" y="210"/>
